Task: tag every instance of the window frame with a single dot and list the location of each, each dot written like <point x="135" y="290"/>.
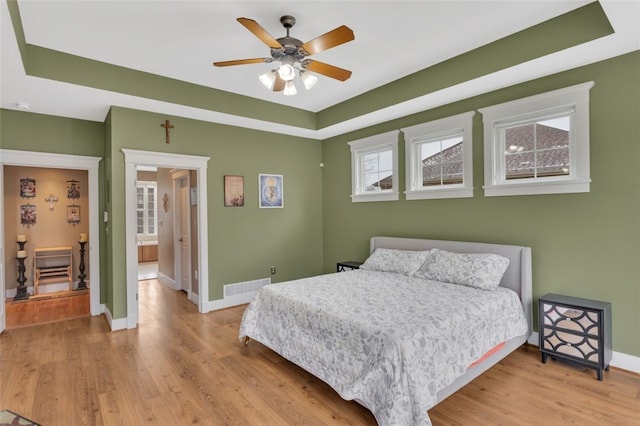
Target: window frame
<point x="414" y="136"/>
<point x="145" y="185"/>
<point x="574" y="100"/>
<point x="359" y="148"/>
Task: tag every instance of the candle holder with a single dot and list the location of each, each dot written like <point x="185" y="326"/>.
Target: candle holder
<point x="81" y="284"/>
<point x="21" y="291"/>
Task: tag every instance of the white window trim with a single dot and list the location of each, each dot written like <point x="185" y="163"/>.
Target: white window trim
<point x="578" y="180"/>
<point x="148" y="236"/>
<point x="360" y="147"/>
<point x="415" y="135"/>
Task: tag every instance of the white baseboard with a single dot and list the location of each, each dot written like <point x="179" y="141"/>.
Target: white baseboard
<point x="193" y="297"/>
<point x="169" y="282"/>
<point x="618" y="359"/>
<point x="228" y="302"/>
<point x="10" y="293"/>
<point x="236" y="294"/>
<point x="43" y="288"/>
<point x="115" y="324"/>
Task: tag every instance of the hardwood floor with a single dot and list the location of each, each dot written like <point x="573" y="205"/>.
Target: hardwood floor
<point x="180" y="367"/>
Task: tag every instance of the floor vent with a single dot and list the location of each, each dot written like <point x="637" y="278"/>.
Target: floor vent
<point x="245" y="287"/>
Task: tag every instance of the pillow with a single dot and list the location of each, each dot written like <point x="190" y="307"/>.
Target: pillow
<point x="479" y="270"/>
<point x="392" y="260"/>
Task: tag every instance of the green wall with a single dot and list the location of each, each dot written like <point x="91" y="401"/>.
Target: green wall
<point x="243" y="241"/>
<point x="585" y="245"/>
<point x="45" y="133"/>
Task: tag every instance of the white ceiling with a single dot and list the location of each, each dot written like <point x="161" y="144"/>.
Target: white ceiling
<point x="181" y="39"/>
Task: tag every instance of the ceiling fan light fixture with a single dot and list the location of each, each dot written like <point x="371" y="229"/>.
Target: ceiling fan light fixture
<point x="309" y="80"/>
<point x="268" y="79"/>
<point x="286" y="72"/>
<point x="292" y="55"/>
<point x="289" y="88"/>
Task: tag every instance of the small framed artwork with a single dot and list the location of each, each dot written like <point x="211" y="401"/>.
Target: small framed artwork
<point x="234" y="191"/>
<point x="271" y="195"/>
<point x="73" y="214"/>
<point x="27" y="188"/>
<point x="27" y="214"/>
<point x="73" y="189"/>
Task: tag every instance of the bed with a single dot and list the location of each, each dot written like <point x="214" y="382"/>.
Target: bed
<point x="392" y="337"/>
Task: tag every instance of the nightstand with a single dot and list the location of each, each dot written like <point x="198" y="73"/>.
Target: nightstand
<point x="577" y="330"/>
<point x="350" y="265"/>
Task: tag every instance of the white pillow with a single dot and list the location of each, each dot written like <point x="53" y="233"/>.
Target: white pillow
<point x="392" y="260"/>
<point x="479" y="270"/>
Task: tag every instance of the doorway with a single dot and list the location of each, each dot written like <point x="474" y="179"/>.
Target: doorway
<point x="134" y="159"/>
<point x="59" y="161"/>
<point x="147" y="221"/>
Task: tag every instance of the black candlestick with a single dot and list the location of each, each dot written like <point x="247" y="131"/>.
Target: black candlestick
<point x="81" y="284"/>
<point x="21" y="292"/>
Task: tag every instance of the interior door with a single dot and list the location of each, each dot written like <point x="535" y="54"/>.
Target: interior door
<point x="185" y="236"/>
<point x="182" y="231"/>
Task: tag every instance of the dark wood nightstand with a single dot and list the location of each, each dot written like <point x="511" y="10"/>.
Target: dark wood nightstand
<point x="349" y="264"/>
<point x="577" y="330"/>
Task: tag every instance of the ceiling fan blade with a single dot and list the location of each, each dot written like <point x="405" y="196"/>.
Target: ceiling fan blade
<point x="278" y="85"/>
<point x="326" y="69"/>
<point x="242" y="62"/>
<point x="260" y="32"/>
<point x="331" y="39"/>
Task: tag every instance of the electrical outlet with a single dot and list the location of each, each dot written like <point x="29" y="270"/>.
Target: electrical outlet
<point x="273" y="270"/>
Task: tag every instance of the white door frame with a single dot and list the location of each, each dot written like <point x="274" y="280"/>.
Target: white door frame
<point x="59" y="161"/>
<point x="133" y="159"/>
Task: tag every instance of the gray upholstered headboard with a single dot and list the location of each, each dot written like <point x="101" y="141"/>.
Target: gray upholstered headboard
<point x="517" y="276"/>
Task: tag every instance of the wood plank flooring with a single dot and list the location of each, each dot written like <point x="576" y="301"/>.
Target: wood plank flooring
<point x="180" y="367"/>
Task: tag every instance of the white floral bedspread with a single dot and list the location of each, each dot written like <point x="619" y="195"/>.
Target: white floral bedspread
<point x="386" y="340"/>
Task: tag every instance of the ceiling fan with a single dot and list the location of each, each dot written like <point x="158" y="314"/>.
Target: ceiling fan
<point x="293" y="54"/>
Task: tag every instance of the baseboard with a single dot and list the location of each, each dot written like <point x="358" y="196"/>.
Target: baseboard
<point x="10" y="293"/>
<point x="169" y="282"/>
<point x="618" y="359"/>
<point x="228" y="302"/>
<point x="42" y="289"/>
<point x="193" y="297"/>
<point x="115" y="324"/>
<point x="236" y="294"/>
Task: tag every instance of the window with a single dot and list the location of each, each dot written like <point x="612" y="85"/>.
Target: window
<point x="147" y="217"/>
<point x="538" y="145"/>
<point x="374" y="168"/>
<point x="439" y="158"/>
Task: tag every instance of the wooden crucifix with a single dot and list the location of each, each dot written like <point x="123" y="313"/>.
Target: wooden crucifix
<point x="167" y="127"/>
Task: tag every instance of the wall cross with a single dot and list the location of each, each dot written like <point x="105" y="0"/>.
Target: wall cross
<point x="51" y="199"/>
<point x="167" y="127"/>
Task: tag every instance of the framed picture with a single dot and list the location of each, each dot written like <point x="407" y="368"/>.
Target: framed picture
<point x="73" y="189"/>
<point x="234" y="191"/>
<point x="27" y="214"/>
<point x="271" y="195"/>
<point x="27" y="188"/>
<point x="73" y="214"/>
